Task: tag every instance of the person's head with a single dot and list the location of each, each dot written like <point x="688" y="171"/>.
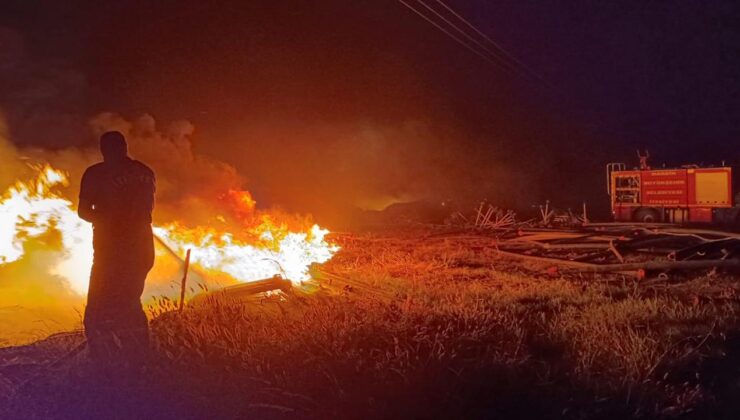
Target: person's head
<point x="113" y="146"/>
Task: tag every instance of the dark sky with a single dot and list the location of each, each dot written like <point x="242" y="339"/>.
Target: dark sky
<point x="301" y="95"/>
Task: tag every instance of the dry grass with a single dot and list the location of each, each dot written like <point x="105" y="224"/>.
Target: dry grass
<point x="426" y="326"/>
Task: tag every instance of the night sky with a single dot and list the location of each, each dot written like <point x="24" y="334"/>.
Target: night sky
<point x="332" y="104"/>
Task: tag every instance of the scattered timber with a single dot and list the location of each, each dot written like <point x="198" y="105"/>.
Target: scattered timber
<point x="247" y="290"/>
<point x="624" y="248"/>
<point x="660" y="266"/>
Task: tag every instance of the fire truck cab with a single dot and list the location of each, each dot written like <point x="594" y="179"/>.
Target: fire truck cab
<point x="689" y="194"/>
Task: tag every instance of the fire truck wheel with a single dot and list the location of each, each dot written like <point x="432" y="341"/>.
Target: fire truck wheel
<point x="646" y="215"/>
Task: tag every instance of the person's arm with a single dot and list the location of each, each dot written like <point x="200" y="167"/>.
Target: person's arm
<point x="149" y="187"/>
<point x="86" y="208"/>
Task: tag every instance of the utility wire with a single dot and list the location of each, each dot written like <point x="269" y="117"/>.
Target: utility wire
<point x="490" y="41"/>
<point x="499" y="58"/>
<point x="448" y="33"/>
<point x="495" y="54"/>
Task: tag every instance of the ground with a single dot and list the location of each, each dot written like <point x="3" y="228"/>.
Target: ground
<point x="416" y="324"/>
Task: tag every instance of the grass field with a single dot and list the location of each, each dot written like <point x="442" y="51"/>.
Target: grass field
<point x="418" y="324"/>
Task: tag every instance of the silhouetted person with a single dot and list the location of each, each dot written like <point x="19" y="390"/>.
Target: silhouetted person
<point x="117" y="197"/>
<point x="644" y="166"/>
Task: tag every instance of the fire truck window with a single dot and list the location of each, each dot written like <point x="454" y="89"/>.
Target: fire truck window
<point x="627" y="189"/>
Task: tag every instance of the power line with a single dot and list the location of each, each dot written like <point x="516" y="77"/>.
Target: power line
<point x="466" y="35"/>
<point x="491" y="41"/>
<point x="448" y="33"/>
<point x="500" y="57"/>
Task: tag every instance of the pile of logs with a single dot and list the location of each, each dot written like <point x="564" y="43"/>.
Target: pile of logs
<point x="628" y="248"/>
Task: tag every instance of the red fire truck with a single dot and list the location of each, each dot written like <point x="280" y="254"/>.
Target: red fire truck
<point x="689" y="194"/>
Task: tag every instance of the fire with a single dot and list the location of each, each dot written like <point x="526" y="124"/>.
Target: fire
<point x="252" y="247"/>
<point x="277" y="252"/>
<point x="30" y="210"/>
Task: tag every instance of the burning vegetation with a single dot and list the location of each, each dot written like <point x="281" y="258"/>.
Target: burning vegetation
<point x="423" y="323"/>
<point x="232" y="240"/>
<point x="465" y="317"/>
<point x="386" y="257"/>
<point x="284" y="318"/>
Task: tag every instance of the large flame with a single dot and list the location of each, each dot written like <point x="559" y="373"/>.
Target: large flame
<point x="253" y="247"/>
<point x="35" y="208"/>
<point x="278" y="252"/>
